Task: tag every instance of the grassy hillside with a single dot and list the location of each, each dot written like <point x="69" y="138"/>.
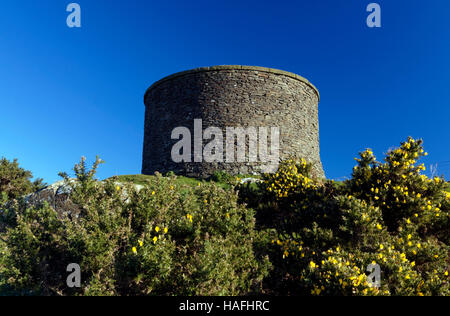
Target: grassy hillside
<point x="141" y="179"/>
<point x="220" y="179"/>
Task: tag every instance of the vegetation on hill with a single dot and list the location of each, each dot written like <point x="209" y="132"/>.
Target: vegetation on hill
<point x="167" y="238"/>
<point x="388" y="214"/>
<point x="286" y="235"/>
<point x="16" y="181"/>
<point x="219" y="178"/>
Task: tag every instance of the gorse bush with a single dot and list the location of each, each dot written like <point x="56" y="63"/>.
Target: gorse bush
<point x="399" y="189"/>
<point x="288" y="234"/>
<point x="160" y="239"/>
<point x="16" y="181"/>
<point x="327" y="235"/>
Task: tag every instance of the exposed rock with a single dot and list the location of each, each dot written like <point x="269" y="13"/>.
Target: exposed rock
<point x="57" y="196"/>
<point x="250" y="180"/>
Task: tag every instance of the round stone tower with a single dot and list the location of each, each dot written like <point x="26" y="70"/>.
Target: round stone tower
<point x="197" y="121"/>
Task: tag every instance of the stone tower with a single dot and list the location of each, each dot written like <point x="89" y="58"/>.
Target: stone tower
<point x="252" y="98"/>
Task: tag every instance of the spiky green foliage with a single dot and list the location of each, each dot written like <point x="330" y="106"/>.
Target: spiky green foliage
<point x="164" y="239"/>
<point x="388" y="213"/>
<point x="179" y="236"/>
<point x="16" y="181"/>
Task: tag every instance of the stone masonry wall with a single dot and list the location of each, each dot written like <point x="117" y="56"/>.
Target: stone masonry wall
<point x="230" y="96"/>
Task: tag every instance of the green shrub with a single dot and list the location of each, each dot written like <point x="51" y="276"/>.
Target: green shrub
<point x="163" y="239"/>
<point x="388" y="214"/>
<point x="223" y="177"/>
<point x="289" y="234"/>
<point x="16" y="181"/>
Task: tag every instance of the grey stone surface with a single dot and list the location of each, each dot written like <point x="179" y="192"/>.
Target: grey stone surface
<point x="230" y="96"/>
<point x="57" y="196"/>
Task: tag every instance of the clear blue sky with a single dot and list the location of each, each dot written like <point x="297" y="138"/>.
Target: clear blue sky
<point x="66" y="92"/>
